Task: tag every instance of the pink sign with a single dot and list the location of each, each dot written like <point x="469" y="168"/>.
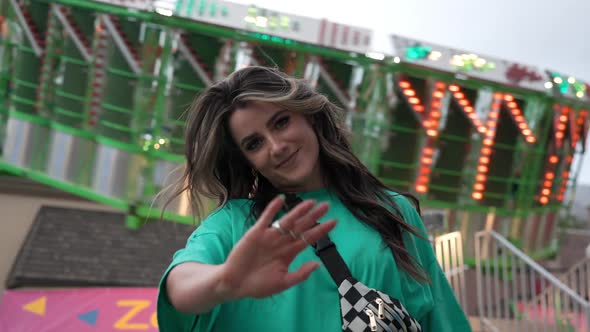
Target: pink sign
<point x="79" y="310"/>
<point x="567" y="321"/>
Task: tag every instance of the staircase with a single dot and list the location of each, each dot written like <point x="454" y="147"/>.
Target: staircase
<point x="515" y="293"/>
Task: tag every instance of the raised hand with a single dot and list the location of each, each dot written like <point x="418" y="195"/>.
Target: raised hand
<point x="258" y="265"/>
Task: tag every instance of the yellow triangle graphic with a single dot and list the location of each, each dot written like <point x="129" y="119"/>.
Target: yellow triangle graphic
<point x="37" y="306"/>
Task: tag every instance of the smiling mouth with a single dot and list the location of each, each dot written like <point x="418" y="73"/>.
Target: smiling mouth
<point x="282" y="163"/>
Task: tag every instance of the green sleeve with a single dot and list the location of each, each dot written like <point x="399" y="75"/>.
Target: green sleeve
<point x="446" y="314"/>
<point x="210" y="243"/>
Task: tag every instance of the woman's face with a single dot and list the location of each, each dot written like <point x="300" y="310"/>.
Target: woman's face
<point x="280" y="144"/>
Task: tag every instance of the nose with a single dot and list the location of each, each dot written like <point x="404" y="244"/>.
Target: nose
<point x="278" y="147"/>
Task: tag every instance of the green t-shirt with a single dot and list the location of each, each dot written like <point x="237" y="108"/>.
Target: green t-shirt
<point x="314" y="304"/>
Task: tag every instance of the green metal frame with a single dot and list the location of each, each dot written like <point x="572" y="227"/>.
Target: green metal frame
<point x="374" y="118"/>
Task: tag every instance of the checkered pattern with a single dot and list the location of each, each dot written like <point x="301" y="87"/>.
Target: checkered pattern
<point x="355" y="298"/>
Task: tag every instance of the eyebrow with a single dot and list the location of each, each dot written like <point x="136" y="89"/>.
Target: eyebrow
<point x="268" y="124"/>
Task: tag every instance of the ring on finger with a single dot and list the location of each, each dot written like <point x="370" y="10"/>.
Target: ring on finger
<point x="277" y="225"/>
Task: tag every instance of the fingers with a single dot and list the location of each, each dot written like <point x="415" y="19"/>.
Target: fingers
<point x="293" y="228"/>
<point x="316" y="233"/>
<point x="301" y="210"/>
<point x="310" y="219"/>
<point x="270" y="212"/>
<point x="302" y="217"/>
<point x="311" y="236"/>
<point x="300" y="275"/>
<point x="287" y="221"/>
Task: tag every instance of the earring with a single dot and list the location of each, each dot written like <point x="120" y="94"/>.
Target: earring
<point x="254" y="183"/>
<point x="255" y="175"/>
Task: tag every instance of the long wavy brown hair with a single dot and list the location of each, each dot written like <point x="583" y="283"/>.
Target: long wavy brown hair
<point x="216" y="168"/>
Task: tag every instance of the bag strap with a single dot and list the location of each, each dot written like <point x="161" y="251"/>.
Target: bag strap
<point x="325" y="249"/>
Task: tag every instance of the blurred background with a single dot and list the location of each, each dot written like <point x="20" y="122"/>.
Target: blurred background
<point x="480" y="110"/>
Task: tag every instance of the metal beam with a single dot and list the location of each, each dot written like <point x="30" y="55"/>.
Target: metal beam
<point x="26" y="28"/>
<point x="193" y="62"/>
<point x="121" y="44"/>
<point x="66" y="23"/>
<point x="334" y="87"/>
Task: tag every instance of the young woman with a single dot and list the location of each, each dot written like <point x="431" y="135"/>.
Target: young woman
<point x="249" y="266"/>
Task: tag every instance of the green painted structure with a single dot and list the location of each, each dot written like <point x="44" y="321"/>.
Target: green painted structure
<point x="93" y="97"/>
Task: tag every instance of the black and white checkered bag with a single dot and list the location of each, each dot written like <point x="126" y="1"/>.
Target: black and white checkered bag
<point x="362" y="308"/>
<point x="366" y="309"/>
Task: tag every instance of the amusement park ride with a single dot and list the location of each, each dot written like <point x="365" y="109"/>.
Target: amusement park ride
<point x="94" y="93"/>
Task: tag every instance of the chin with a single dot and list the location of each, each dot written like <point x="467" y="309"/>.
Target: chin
<point x="299" y="179"/>
<point x="292" y="184"/>
<point x="301" y="184"/>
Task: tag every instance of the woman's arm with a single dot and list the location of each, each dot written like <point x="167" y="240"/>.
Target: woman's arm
<point x="197" y="288"/>
<point x="257" y="266"/>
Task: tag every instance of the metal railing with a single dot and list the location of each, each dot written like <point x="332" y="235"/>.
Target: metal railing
<point x="449" y="253"/>
<point x="514" y="293"/>
<point x="577" y="278"/>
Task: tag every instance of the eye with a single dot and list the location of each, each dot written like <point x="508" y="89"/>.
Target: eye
<point x="253" y="144"/>
<point x="282" y="122"/>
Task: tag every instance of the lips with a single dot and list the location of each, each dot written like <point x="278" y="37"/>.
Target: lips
<point x="286" y="161"/>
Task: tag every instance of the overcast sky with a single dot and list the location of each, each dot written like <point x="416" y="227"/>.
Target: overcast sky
<point x="546" y="33"/>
